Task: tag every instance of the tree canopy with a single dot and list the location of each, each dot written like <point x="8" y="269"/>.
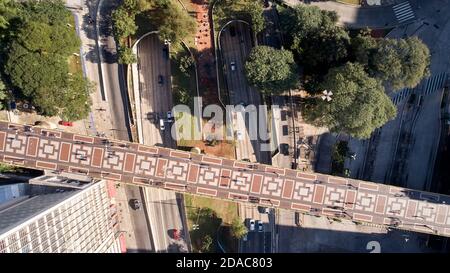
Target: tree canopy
<point x="359" y="104"/>
<point x="37" y="60"/>
<point x="401" y="62"/>
<point x="174" y="23"/>
<point x="314" y="37"/>
<point x="271" y="70"/>
<point x="238" y="229"/>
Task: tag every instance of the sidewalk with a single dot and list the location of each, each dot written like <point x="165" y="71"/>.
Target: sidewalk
<point x="99" y="116"/>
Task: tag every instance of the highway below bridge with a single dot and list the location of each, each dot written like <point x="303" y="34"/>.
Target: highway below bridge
<point x="214" y="177"/>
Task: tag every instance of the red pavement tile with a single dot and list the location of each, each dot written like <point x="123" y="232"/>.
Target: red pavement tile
<point x="64" y="154"/>
<point x="288" y="188"/>
<point x="256" y="184"/>
<point x="193" y="173"/>
<point x="2" y="141"/>
<point x="32" y="146"/>
<point x="97" y="157"/>
<point x="46" y="165"/>
<point x="129" y="162"/>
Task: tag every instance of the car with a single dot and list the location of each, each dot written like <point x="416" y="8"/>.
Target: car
<point x="160" y="80"/>
<point x="263" y="209"/>
<point x="13" y="105"/>
<point x="161" y="124"/>
<point x="252" y="224"/>
<point x="135" y="204"/>
<point x="239" y="135"/>
<point x="232" y="31"/>
<point x="260" y="226"/>
<point x="169" y="116"/>
<point x="176" y="234"/>
<point x="244" y="238"/>
<point x="65" y="123"/>
<point x="166" y="52"/>
<point x="233" y="66"/>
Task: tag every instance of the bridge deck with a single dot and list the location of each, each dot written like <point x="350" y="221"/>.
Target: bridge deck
<point x="312" y="193"/>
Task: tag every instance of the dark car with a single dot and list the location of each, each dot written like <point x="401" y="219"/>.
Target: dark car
<point x="232" y="31"/>
<point x="135" y="204"/>
<point x="160" y="80"/>
<point x="13" y="105"/>
<point x="166" y="52"/>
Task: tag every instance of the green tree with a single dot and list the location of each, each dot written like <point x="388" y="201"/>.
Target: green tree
<point x="186" y="62"/>
<point x="36" y="60"/>
<point x="363" y="48"/>
<point x="3" y="95"/>
<point x="7" y="10"/>
<point x="314" y="37"/>
<point x="238" y="229"/>
<point x="124" y="22"/>
<point x="52" y="12"/>
<point x="126" y="55"/>
<point x="173" y="23"/>
<point x="207" y="244"/>
<point x="255" y="10"/>
<point x="359" y="104"/>
<point x="271" y="70"/>
<point x="401" y="63"/>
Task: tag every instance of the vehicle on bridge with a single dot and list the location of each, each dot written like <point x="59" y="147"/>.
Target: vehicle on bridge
<point x="135" y="204"/>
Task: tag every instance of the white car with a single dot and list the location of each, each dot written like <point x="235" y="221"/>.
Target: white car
<point x="233" y="66"/>
<point x="169" y="116"/>
<point x="239" y="135"/>
<point x="260" y="226"/>
<point x="252" y="225"/>
<point x="161" y="124"/>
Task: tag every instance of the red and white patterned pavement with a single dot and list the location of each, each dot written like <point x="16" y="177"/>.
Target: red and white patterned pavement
<point x="215" y="177"/>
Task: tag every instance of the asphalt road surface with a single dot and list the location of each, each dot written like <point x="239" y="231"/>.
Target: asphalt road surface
<point x="235" y="49"/>
<point x="156" y="98"/>
<point x="113" y="76"/>
<point x="156" y="101"/>
<point x="139" y="220"/>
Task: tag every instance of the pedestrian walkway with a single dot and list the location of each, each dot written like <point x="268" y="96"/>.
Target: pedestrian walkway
<point x="403" y="12"/>
<point x="434" y="83"/>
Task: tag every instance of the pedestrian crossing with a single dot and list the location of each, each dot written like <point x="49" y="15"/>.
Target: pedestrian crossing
<point x="402" y="94"/>
<point x="426" y="87"/>
<point x="434" y="83"/>
<point x="403" y="12"/>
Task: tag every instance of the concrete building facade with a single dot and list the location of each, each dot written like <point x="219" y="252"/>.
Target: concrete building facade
<point x="81" y="221"/>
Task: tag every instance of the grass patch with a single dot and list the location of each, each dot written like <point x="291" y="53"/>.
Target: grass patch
<point x="209" y="214"/>
<point x="351" y="2"/>
<point x="74" y="64"/>
<point x="5" y="168"/>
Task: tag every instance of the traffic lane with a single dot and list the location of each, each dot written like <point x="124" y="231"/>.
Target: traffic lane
<point x="113" y="86"/>
<point x="236" y="49"/>
<point x="256" y="242"/>
<point x="138" y="220"/>
<point x="156" y="217"/>
<point x="165" y="217"/>
<point x="156" y="98"/>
